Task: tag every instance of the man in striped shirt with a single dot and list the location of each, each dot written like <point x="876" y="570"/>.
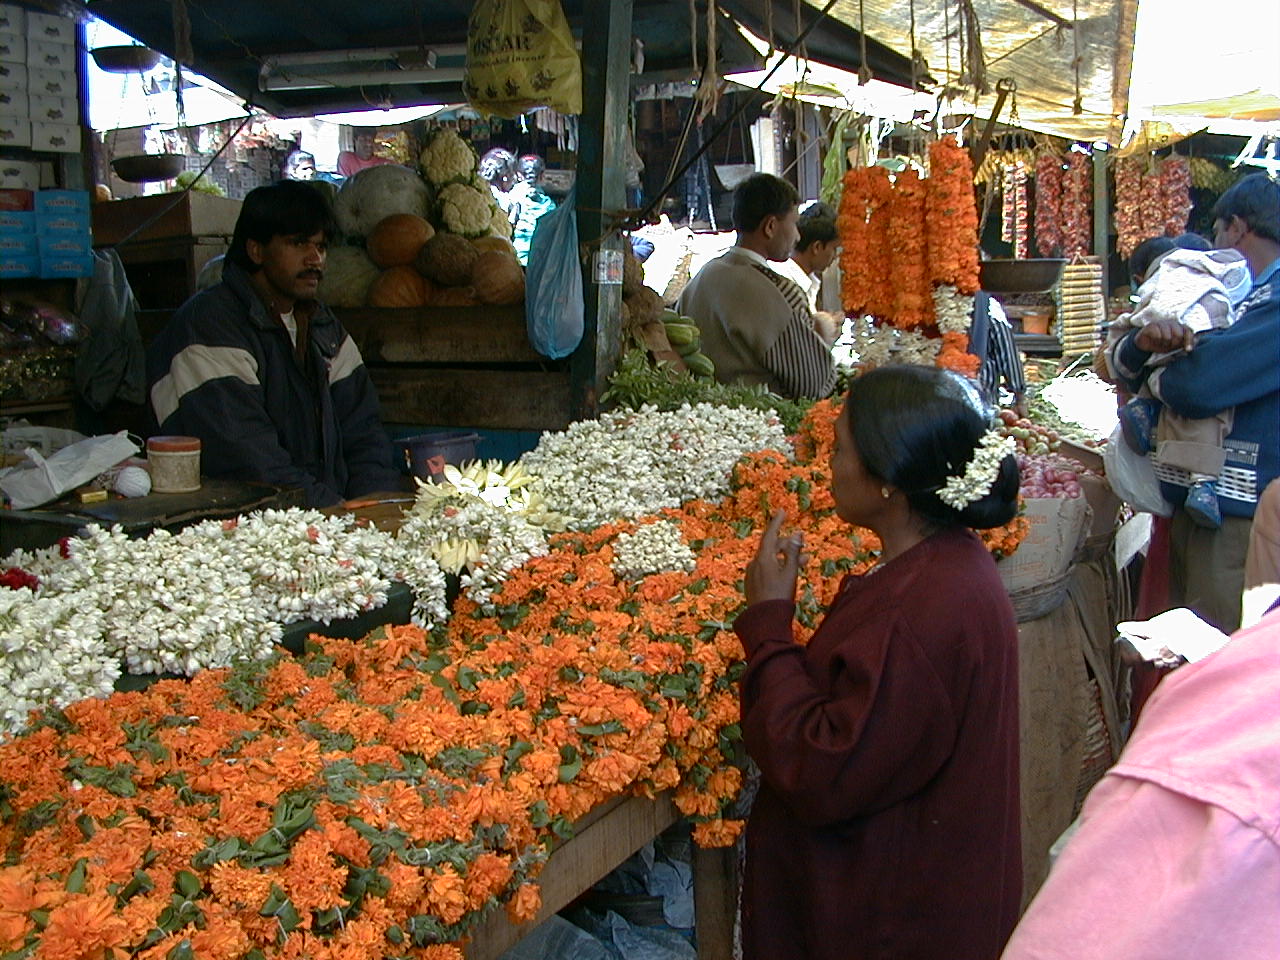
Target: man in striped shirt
<point x="756" y="324"/>
<point x="991" y="338"/>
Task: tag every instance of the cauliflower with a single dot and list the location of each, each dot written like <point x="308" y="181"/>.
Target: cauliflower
<point x="447" y="158"/>
<point x="464" y="210"/>
<point x="499" y="222"/>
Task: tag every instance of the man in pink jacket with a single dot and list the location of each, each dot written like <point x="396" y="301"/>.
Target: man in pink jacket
<point x="1178" y="852"/>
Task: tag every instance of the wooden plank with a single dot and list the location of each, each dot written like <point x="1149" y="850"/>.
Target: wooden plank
<point x="603" y="839"/>
<point x="440" y="334"/>
<point x="474" y="397"/>
<point x="715" y="900"/>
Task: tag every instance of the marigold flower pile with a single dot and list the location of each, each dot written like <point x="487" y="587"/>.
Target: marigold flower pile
<point x="373" y="798"/>
<point x="905" y="240"/>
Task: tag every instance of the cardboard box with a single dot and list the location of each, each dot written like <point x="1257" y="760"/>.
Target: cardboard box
<point x="50" y="29"/>
<point x="195" y="215"/>
<point x="13" y="48"/>
<point x="18" y="245"/>
<point x="68" y="266"/>
<point x="13" y="19"/>
<point x="14" y="102"/>
<point x="58" y="221"/>
<point x="42" y="82"/>
<point x="55" y="137"/>
<point x="19" y="174"/>
<point x="51" y="56"/>
<point x="12" y="268"/>
<point x="1058" y="527"/>
<point x="53" y="109"/>
<point x="51" y="202"/>
<point x="17" y="200"/>
<point x="52" y="246"/>
<point x="15" y="132"/>
<point x="17" y="221"/>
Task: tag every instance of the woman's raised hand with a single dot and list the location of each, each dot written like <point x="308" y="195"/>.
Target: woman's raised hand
<point x="772" y="574"/>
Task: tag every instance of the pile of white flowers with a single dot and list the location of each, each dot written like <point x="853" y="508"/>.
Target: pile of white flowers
<point x="215" y="593"/>
<point x="630" y="463"/>
<point x="487" y="518"/>
<point x="882" y="345"/>
<point x="51" y="653"/>
<point x="654" y="548"/>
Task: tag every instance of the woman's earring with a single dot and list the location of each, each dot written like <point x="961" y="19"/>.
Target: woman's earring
<point x="884" y="492"/>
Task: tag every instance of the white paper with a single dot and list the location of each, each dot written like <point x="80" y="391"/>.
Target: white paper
<point x="1174" y="633"/>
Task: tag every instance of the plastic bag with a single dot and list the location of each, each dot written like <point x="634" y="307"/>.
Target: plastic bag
<point x="41" y="480"/>
<point x="553" y="306"/>
<point x="1133" y="478"/>
<point x="521" y="54"/>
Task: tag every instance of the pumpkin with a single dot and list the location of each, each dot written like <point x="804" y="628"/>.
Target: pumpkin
<point x="348" y="273"/>
<point x="448" y="259"/>
<point x="396" y="240"/>
<point x="453" y="297"/>
<point x="500" y="244"/>
<point x="399" y="287"/>
<point x="497" y="278"/>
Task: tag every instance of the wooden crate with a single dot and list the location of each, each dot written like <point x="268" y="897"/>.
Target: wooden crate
<point x="194" y="214"/>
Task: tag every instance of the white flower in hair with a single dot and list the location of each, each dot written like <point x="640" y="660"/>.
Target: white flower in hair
<point x="980" y="473"/>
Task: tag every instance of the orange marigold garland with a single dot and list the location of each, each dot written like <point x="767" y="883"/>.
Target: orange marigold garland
<point x="951" y="217"/>
<point x="908" y="266"/>
<point x="864" y="254"/>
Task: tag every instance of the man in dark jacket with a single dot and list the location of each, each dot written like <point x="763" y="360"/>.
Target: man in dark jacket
<point x="265" y="375"/>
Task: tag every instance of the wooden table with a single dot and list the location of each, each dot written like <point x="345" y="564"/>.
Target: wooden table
<point x="138" y="516"/>
<point x="603" y="839"/>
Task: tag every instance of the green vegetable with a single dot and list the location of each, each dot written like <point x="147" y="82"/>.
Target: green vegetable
<point x="636" y="382"/>
<point x="700" y="364"/>
<point x="681" y="333"/>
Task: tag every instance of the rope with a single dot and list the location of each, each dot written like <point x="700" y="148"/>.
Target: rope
<point x="1077" y="107"/>
<point x="693" y="32"/>
<point x="864" y="71"/>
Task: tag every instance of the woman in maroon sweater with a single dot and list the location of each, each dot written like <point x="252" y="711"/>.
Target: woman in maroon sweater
<point x="887" y="822"/>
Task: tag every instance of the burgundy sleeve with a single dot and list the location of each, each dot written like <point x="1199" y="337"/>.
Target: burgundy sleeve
<point x="882" y="737"/>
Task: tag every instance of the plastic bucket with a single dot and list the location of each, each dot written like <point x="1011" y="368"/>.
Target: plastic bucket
<point x="426" y="454"/>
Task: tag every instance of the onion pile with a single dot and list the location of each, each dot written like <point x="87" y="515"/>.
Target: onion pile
<point x="1043" y="477"/>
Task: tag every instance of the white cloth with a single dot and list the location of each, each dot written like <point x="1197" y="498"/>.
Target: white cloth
<point x="810" y="283"/>
<point x="291" y="325"/>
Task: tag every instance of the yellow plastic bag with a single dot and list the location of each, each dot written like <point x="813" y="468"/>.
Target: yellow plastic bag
<point x="520" y="54"/>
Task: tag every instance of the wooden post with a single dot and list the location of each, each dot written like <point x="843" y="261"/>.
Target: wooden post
<point x="606" y="67"/>
<point x="1101" y="216"/>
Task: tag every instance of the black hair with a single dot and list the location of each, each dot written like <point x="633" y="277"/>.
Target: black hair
<point x="817" y="225"/>
<point x="1255" y="199"/>
<point x="1151" y="249"/>
<point x="915" y="427"/>
<point x="289" y="208"/>
<point x="759" y="196"/>
<point x="296" y="157"/>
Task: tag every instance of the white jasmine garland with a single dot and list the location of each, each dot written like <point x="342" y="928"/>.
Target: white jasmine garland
<point x="51" y="653"/>
<point x="630" y="463"/>
<point x="915" y="348"/>
<point x="954" y="310"/>
<point x="653" y="548"/>
<point x="980" y="473"/>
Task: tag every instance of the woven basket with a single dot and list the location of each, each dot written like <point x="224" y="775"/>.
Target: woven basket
<point x="1032" y="603"/>
<point x="1097" y="756"/>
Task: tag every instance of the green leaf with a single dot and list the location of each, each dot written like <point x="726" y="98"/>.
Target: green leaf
<point x="76" y="878"/>
<point x="188" y="884"/>
<point x="570" y="770"/>
<point x="511" y="756"/>
<point x="466" y="678"/>
<point x="600" y="729"/>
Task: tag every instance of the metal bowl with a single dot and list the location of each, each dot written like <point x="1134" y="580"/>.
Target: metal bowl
<point x="129" y="58"/>
<point x="146" y="168"/>
<point x="1019" y="276"/>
